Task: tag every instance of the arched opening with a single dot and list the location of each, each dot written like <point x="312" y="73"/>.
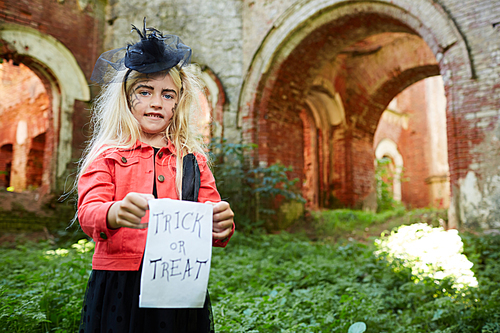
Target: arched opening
<point x="216" y="100"/>
<point x="338" y="69"/>
<point x="38" y="119"/>
<point x="5" y="165"/>
<point x="414" y="126"/>
<point x="34" y="170"/>
<point x="390" y="162"/>
<point x="389" y="166"/>
<point x="24" y="119"/>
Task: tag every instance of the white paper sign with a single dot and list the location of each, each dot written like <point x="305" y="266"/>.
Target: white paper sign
<point x="178" y="254"/>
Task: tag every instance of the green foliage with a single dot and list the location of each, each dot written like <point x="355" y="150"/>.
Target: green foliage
<point x="255" y="193"/>
<point x="383" y="183"/>
<point x="274" y="283"/>
<point x="41" y="290"/>
<point x="343" y="222"/>
<point x="285" y="283"/>
<point x="484" y="252"/>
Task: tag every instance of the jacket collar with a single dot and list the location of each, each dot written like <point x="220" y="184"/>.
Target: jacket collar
<point x="141" y="145"/>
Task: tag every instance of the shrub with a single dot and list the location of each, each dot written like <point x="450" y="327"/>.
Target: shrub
<point x="255" y="193"/>
<point x="383" y="183"/>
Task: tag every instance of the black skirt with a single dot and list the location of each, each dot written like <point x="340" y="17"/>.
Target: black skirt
<point x="111" y="305"/>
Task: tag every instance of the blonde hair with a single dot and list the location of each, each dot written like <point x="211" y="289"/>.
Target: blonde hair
<point x="114" y="126"/>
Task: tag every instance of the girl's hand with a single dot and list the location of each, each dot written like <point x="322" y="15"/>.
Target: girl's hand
<point x="223" y="220"/>
<point x="129" y="211"/>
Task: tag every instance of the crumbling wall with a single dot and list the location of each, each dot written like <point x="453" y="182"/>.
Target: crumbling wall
<point x="463" y="38"/>
<point x="212" y="28"/>
<point x="23" y="116"/>
<point x="58" y="41"/>
<point x="269" y="54"/>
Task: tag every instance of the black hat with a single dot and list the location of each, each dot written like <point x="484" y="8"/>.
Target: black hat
<point x="153" y="53"/>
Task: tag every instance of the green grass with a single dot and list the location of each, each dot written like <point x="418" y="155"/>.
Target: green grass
<point x="338" y="224"/>
<point x="285" y="283"/>
<point x="344" y="223"/>
<point x="41" y="292"/>
<point x="275" y="283"/>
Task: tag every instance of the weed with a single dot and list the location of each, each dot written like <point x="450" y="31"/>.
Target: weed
<point x="255" y="193"/>
<point x="274" y="283"/>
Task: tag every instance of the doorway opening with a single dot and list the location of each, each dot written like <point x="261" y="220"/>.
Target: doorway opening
<point x="24" y="119"/>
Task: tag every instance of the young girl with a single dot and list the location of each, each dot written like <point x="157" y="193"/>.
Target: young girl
<point x="144" y="146"/>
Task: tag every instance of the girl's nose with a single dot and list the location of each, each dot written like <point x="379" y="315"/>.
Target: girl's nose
<point x="155" y="101"/>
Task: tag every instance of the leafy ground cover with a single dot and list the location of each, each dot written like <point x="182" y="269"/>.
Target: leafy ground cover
<point x="338" y="224"/>
<point x="274" y="283"/>
<point x="284" y="283"/>
<point x="41" y="290"/>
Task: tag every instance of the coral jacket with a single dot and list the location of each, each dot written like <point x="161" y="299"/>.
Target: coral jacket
<point x="109" y="178"/>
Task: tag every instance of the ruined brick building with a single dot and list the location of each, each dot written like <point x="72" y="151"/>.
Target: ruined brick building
<point x="325" y="86"/>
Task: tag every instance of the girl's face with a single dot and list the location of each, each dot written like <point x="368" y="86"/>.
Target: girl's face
<point x="153" y="103"/>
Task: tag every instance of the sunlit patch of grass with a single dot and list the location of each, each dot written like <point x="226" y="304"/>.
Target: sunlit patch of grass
<point x="430" y="253"/>
<point x="56" y="252"/>
<point x="83" y="246"/>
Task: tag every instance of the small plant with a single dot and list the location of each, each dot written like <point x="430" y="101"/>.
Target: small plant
<point x="384" y="178"/>
<point x="255" y="193"/>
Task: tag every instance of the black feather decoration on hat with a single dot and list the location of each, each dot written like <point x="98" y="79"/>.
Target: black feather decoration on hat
<point x="155" y="52"/>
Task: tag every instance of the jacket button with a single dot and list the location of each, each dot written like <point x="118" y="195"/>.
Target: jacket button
<point x="160" y="154"/>
<point x="161" y="178"/>
<point x="103" y="235"/>
<point x="124" y="160"/>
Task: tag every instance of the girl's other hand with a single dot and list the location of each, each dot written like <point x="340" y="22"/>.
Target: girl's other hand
<point x="129" y="211"/>
<point x="223" y="220"/>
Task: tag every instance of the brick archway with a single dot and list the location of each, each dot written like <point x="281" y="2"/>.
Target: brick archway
<point x="369" y="52"/>
<point x="24" y="122"/>
<point x="216" y="101"/>
<point x="64" y="82"/>
<point x="388" y="148"/>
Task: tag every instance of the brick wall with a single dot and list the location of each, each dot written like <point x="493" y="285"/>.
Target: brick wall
<point x="366" y="81"/>
<point x="270" y="55"/>
<point x="29" y="105"/>
<point x="413" y="144"/>
<point x="79" y="29"/>
<point x="377" y="53"/>
<point x="78" y="25"/>
<point x="212" y="28"/>
<point x="36" y="158"/>
<point x="5" y="165"/>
